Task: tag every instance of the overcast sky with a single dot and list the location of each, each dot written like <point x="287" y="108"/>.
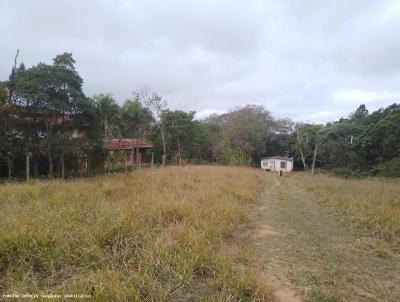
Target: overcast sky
<point x="308" y="60"/>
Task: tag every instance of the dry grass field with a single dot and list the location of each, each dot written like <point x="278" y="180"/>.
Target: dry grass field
<point x="372" y="204"/>
<point x="157" y="235"/>
<point x="328" y="239"/>
<point x="203" y="233"/>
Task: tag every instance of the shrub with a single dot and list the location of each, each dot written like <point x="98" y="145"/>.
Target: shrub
<point x="349" y="172"/>
<point x="389" y="168"/>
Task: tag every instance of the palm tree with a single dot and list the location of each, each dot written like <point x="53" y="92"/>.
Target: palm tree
<point x="108" y="111"/>
<point x="136" y="118"/>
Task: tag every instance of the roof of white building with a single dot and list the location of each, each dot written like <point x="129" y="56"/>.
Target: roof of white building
<point x="278" y="157"/>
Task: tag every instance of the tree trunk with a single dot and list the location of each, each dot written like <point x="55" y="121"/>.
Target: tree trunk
<point x="125" y="170"/>
<point x="49" y="127"/>
<point x="164" y="157"/>
<point x="106" y="130"/>
<point x="86" y="166"/>
<point x="108" y="163"/>
<point x="57" y="167"/>
<point x="137" y="149"/>
<point x="301" y="152"/>
<point x="50" y="167"/>
<point x="27" y="166"/>
<point x="179" y="152"/>
<point x="132" y="156"/>
<point x="89" y="165"/>
<point x="62" y="164"/>
<point x="303" y="160"/>
<point x="137" y="159"/>
<point x="36" y="166"/>
<point x="314" y="158"/>
<point x="152" y="159"/>
<point x="9" y="166"/>
<point x="107" y="141"/>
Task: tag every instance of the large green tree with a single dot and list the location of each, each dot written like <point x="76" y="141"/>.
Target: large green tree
<point x="182" y="134"/>
<point x="9" y="142"/>
<point x="243" y="134"/>
<point x="48" y="97"/>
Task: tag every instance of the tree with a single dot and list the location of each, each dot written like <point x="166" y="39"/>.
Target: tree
<point x="108" y="111"/>
<point x="182" y="132"/>
<point x="208" y="138"/>
<point x="278" y="140"/>
<point x="48" y="98"/>
<point x="26" y="90"/>
<point x="245" y="132"/>
<point x="157" y="105"/>
<point x="384" y="142"/>
<point x="315" y="156"/>
<point x="8" y="137"/>
<point x="303" y="143"/>
<point x="135" y="118"/>
<point x="300" y="147"/>
<point x="360" y="114"/>
<point x="365" y="142"/>
<point x="64" y="102"/>
<point x="3" y="94"/>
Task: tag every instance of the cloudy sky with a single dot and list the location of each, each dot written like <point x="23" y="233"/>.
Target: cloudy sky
<point x="308" y="60"/>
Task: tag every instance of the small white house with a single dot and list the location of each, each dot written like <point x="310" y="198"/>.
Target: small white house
<point x="277" y="163"/>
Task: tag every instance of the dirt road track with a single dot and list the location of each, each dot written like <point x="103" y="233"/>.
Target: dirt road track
<point x="309" y="254"/>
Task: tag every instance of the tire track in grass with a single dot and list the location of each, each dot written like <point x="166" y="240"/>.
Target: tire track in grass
<point x="265" y="232"/>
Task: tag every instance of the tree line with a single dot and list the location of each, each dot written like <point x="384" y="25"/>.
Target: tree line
<point x="365" y="143"/>
<point x="49" y="128"/>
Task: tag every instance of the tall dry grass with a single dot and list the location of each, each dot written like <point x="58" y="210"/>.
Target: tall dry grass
<point x="157" y="235"/>
<point x="372" y="204"/>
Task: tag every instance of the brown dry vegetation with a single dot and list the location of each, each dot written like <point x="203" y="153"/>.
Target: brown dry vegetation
<point x="157" y="235"/>
<point x="195" y="233"/>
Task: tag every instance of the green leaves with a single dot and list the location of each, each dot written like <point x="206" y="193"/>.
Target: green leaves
<point x="3" y="94"/>
<point x="135" y="118"/>
<point x="364" y="143"/>
<point x="384" y="136"/>
<point x="49" y="103"/>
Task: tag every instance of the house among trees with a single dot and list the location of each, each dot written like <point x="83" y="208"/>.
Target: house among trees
<point x="134" y="150"/>
<point x="277" y="163"/>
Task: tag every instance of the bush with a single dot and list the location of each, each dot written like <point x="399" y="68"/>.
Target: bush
<point x="390" y="168"/>
<point x="349" y="172"/>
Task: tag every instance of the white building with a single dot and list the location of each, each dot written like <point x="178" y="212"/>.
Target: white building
<point x="277" y="163"/>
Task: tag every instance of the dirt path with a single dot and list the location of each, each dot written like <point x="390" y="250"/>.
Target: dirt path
<point x="308" y="254"/>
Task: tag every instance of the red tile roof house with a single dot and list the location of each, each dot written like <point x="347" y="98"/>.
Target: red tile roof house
<point x="130" y="146"/>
